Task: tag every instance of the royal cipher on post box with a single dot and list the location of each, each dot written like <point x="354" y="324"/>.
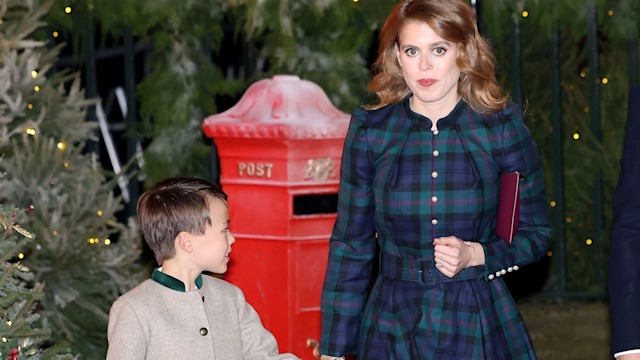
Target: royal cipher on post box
<point x="280" y="148"/>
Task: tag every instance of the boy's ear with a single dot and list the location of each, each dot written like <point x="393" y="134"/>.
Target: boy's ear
<point x="183" y="242"/>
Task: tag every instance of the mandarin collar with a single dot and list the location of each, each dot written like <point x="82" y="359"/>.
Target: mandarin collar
<point x="171" y="282"/>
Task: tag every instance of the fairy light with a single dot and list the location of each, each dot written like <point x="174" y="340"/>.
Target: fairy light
<point x="605" y="81"/>
<point x="21" y="256"/>
<point x="36" y="88"/>
<point x="553" y="203"/>
<point x="30" y="106"/>
<point x="568" y="220"/>
<point x="576" y="136"/>
<point x="30" y="131"/>
<point x="549" y="253"/>
<point x="34" y="74"/>
<point x="610" y="12"/>
<point x="99" y="212"/>
<point x="107" y="242"/>
<point x="66" y="164"/>
<point x="67" y="9"/>
<point x="61" y="146"/>
<point x="55" y="34"/>
<point x="525" y="14"/>
<point x="589" y="242"/>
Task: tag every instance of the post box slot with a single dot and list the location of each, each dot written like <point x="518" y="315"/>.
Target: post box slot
<point x="312" y="204"/>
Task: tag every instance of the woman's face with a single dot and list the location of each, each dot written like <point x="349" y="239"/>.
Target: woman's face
<point x="429" y="67"/>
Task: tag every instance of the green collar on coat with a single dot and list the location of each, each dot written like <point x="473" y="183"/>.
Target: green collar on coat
<point x="171" y="282"/>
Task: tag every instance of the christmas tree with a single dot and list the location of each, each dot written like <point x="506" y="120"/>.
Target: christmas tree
<point x="84" y="255"/>
<point x="20" y="336"/>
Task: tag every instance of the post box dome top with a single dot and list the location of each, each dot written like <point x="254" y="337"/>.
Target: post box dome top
<point x="281" y="107"/>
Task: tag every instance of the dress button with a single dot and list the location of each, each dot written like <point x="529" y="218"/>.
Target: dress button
<point x="434" y="199"/>
<point x="434" y="174"/>
<point x="436" y="153"/>
<point x="510" y="269"/>
<point x="436" y="132"/>
<point x="515" y="267"/>
<point x="434" y="221"/>
<point x="204" y="331"/>
<point x="503" y="271"/>
<point x="498" y="273"/>
<point x="491" y="276"/>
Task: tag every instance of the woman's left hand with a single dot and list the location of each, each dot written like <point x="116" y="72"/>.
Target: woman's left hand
<point x="452" y="255"/>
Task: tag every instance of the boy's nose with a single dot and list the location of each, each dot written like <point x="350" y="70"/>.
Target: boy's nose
<point x="232" y="239"/>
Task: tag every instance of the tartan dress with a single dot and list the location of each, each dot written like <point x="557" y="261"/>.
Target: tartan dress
<point x="401" y="186"/>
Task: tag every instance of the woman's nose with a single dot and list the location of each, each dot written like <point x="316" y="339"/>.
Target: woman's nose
<point x="425" y="62"/>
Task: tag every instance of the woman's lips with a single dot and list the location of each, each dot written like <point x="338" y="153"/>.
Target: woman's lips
<point x="426" y="82"/>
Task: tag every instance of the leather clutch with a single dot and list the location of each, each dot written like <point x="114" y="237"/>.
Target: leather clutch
<point x="507" y="221"/>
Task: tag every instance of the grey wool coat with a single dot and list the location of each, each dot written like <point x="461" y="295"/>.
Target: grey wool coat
<point x="153" y="321"/>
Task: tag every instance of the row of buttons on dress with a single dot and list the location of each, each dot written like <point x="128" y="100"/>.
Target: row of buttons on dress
<point x="503" y="272"/>
<point x="434" y="221"/>
<point x="434" y="175"/>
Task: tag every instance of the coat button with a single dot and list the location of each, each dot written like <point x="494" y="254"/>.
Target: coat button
<point x="434" y="199"/>
<point x="434" y="174"/>
<point x="434" y="221"/>
<point x="436" y="152"/>
<point x="204" y="331"/>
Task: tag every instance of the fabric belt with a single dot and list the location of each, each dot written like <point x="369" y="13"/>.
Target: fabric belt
<point x="422" y="270"/>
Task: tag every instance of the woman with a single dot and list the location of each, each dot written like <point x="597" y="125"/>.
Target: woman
<point x="419" y="178"/>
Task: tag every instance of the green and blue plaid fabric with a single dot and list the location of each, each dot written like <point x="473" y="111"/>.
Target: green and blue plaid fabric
<point x="408" y="185"/>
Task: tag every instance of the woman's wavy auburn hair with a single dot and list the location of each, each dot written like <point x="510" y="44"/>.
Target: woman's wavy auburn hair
<point x="454" y="21"/>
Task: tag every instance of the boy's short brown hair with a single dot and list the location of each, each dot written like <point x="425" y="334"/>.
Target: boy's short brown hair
<point x="173" y="205"/>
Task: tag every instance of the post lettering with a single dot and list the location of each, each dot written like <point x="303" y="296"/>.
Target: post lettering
<point x="252" y="169"/>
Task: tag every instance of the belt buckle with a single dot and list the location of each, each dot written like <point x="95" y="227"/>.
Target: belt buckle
<point x="426" y="269"/>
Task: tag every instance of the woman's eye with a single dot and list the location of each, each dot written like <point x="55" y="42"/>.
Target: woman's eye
<point x="439" y="50"/>
<point x="411" y="52"/>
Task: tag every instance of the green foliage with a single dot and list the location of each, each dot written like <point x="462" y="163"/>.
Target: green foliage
<point x="19" y="298"/>
<point x="84" y="255"/>
<point x="590" y="157"/>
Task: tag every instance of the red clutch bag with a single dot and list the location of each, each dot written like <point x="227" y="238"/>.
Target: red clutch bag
<point x="508" y="206"/>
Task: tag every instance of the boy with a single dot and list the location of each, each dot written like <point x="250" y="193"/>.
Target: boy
<point x="180" y="313"/>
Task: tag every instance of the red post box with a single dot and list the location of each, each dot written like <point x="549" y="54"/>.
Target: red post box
<point x="280" y="149"/>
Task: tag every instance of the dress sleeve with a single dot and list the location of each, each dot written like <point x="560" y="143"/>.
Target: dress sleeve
<point x="126" y="336"/>
<point x="257" y="342"/>
<point x="351" y="247"/>
<point x="520" y="153"/>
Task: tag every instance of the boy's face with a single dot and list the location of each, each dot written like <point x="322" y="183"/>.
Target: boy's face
<point x="211" y="250"/>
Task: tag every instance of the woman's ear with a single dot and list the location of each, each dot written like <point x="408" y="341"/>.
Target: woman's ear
<point x="183" y="242"/>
